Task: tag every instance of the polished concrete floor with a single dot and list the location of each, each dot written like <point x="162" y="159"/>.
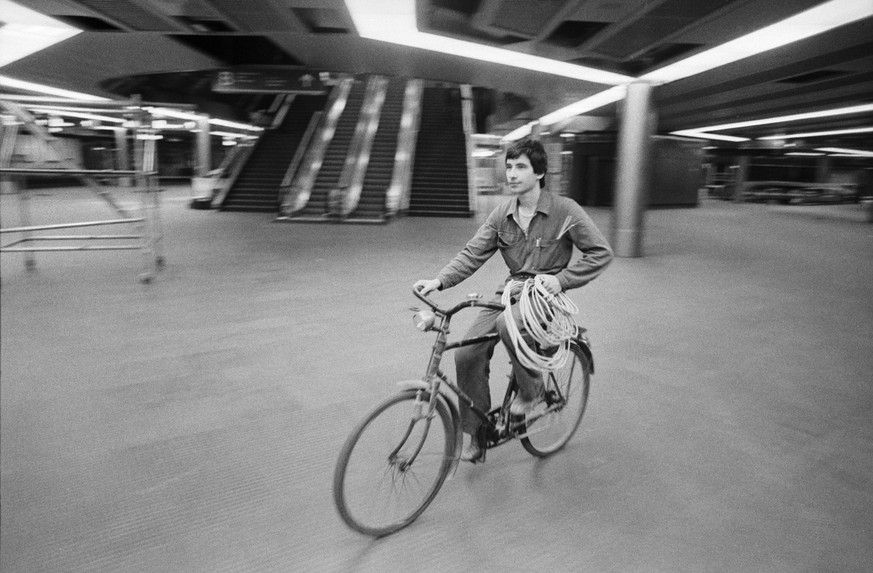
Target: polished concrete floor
<point x="192" y="424"/>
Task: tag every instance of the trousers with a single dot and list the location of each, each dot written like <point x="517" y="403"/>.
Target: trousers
<point x="473" y="366"/>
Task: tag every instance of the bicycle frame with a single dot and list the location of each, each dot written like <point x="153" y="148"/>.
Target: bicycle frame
<point x="435" y="378"/>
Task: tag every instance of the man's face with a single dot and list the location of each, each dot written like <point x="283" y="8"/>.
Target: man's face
<point x="520" y="176"/>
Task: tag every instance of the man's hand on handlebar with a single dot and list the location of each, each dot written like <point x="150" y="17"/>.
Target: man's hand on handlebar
<point x="426" y="286"/>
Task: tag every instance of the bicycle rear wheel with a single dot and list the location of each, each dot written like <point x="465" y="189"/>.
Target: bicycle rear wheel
<point x="566" y="398"/>
<point x="393" y="464"/>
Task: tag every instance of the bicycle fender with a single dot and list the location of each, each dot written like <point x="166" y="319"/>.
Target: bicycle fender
<point x="419" y="384"/>
<point x="585" y="346"/>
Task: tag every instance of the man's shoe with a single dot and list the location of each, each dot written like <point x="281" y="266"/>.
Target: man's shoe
<point x="521" y="407"/>
<point x="473" y="452"/>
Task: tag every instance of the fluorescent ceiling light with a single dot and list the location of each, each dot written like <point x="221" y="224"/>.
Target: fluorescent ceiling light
<point x="789" y="118"/>
<point x="852" y="152"/>
<point x="78" y="114"/>
<point x="62" y="108"/>
<point x="229" y="134"/>
<point x="39" y="88"/>
<point x="519" y="132"/>
<point x="233" y="124"/>
<point x="393" y="21"/>
<point x="703" y="135"/>
<point x="818" y="133"/>
<point x="26" y="31"/>
<point x="162" y="111"/>
<point x="814" y="21"/>
<point x="601" y="99"/>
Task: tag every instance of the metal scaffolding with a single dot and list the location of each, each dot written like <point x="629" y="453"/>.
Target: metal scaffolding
<point x="147" y="236"/>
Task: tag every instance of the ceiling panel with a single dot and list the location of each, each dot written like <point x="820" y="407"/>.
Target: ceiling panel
<point x="629" y="36"/>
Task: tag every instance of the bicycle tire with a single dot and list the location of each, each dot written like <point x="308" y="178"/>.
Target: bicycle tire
<point x="372" y="490"/>
<point x="547" y="434"/>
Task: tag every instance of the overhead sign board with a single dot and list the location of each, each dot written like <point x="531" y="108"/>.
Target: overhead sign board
<point x="271" y="81"/>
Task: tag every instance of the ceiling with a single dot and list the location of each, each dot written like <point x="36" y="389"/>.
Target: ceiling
<point x="133" y="44"/>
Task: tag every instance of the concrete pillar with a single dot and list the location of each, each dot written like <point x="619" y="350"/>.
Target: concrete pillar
<point x="204" y="148"/>
<point x="122" y="154"/>
<point x="632" y="174"/>
<point x="200" y="183"/>
<point x="741" y="175"/>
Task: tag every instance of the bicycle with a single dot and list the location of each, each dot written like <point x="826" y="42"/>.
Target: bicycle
<point x="398" y="456"/>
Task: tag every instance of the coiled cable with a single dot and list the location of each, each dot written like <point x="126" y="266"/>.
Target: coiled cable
<point x="546" y="317"/>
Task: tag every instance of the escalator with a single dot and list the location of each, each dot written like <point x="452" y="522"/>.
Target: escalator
<point x="439" y="178"/>
<point x="380" y="168"/>
<point x="257" y="187"/>
<point x="335" y="156"/>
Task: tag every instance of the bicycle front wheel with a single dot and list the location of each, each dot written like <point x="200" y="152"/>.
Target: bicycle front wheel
<point x="393" y="464"/>
<point x="566" y="398"/>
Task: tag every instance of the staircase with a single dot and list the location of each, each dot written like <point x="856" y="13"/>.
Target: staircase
<point x="439" y="178"/>
<point x="335" y="155"/>
<point x="257" y="187"/>
<point x="371" y="206"/>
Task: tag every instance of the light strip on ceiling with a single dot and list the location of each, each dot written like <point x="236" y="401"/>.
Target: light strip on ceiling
<point x="26" y="31"/>
<point x="598" y="100"/>
<point x="781" y="119"/>
<point x="606" y="97"/>
<point x="808" y="23"/>
<point x="519" y="132"/>
<point x="80" y="115"/>
<point x="39" y="88"/>
<point x="852" y="152"/>
<point x="704" y="132"/>
<point x="818" y="133"/>
<point x="704" y="135"/>
<point x="162" y="111"/>
<point x="393" y="21"/>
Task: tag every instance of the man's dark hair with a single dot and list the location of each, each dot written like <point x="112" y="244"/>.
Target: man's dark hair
<point x="536" y="154"/>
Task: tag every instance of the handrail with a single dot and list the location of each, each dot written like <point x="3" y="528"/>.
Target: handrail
<point x="302" y="146"/>
<point x="284" y="106"/>
<point x="303" y="183"/>
<point x="397" y="196"/>
<point x="351" y="181"/>
<point x="468" y="120"/>
<point x="237" y="159"/>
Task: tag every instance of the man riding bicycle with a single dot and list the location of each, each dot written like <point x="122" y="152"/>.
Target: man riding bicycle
<point x="535" y="232"/>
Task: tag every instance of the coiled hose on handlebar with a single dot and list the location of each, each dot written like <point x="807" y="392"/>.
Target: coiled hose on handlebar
<point x="546" y="317"/>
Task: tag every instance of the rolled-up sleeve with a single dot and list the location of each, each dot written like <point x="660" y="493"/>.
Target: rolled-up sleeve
<point x="596" y="254"/>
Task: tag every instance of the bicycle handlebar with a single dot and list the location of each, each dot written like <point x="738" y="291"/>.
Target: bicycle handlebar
<point x="457" y="307"/>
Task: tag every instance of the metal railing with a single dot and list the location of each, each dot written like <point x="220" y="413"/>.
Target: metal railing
<point x="149" y="236"/>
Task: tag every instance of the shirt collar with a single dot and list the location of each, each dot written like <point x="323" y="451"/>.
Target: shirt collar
<point x="544" y="205"/>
